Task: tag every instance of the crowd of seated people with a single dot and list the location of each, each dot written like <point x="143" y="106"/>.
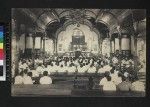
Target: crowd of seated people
<point x="82" y="65"/>
<point x="114" y="82"/>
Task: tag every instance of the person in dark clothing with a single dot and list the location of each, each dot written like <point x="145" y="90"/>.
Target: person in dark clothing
<point x="91" y="83"/>
<point x="75" y="82"/>
<point x="125" y="85"/>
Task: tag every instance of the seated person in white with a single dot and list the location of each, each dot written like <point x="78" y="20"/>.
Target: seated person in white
<point x="20" y="67"/>
<point x="126" y="74"/>
<point x="113" y="74"/>
<point x="91" y="61"/>
<point x="84" y="67"/>
<point x="142" y="69"/>
<point x="51" y="68"/>
<point x="80" y="69"/>
<point x="27" y="78"/>
<point x="39" y="69"/>
<point x="117" y="79"/>
<point x="45" y="79"/>
<point x="87" y="65"/>
<point x="107" y="67"/>
<point x="34" y="73"/>
<point x="138" y="86"/>
<point x="116" y="71"/>
<point x="103" y="80"/>
<point x="46" y="69"/>
<point x="102" y="63"/>
<point x="115" y="60"/>
<point x="109" y="85"/>
<point x="19" y="78"/>
<point x="24" y="65"/>
<point x="61" y="69"/>
<point x="66" y="68"/>
<point x="123" y="62"/>
<point x="13" y="72"/>
<point x="56" y="68"/>
<point x="71" y="69"/>
<point x="101" y="70"/>
<point x="92" y="69"/>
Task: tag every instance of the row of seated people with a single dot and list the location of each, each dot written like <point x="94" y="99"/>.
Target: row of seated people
<point x="25" y="77"/>
<point x="80" y="65"/>
<point x="111" y="81"/>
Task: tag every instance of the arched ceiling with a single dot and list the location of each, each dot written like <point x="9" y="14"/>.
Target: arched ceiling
<point x="46" y="19"/>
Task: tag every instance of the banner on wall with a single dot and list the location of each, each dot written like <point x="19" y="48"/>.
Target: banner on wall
<point x="22" y="42"/>
<point x="125" y="44"/>
<point x="37" y="42"/>
<point x="116" y="44"/>
<point x="29" y="44"/>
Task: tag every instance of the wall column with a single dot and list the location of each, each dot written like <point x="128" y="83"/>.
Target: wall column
<point x="55" y="46"/>
<point x="33" y="52"/>
<point x="44" y="49"/>
<point x="15" y="52"/>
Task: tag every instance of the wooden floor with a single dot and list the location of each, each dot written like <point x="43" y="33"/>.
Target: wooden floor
<point x="58" y="90"/>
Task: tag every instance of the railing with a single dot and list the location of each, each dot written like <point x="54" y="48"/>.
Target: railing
<point x="67" y="90"/>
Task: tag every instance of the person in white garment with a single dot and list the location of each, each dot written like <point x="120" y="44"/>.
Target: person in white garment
<point x="107" y="67"/>
<point x="46" y="69"/>
<point x="20" y="67"/>
<point x="39" y="69"/>
<point x="66" y="68"/>
<point x="123" y="62"/>
<point x="118" y="79"/>
<point x="84" y="68"/>
<point x="104" y="79"/>
<point x="142" y="69"/>
<point x="51" y="69"/>
<point x="45" y="79"/>
<point x="92" y="69"/>
<point x="19" y="78"/>
<point x="61" y="69"/>
<point x="126" y="74"/>
<point x="138" y="86"/>
<point x="71" y="69"/>
<point x="27" y="77"/>
<point x="24" y="65"/>
<point x="80" y="69"/>
<point x="34" y="73"/>
<point x="101" y="70"/>
<point x="109" y="85"/>
<point x="113" y="74"/>
<point x="115" y="60"/>
<point x="56" y="67"/>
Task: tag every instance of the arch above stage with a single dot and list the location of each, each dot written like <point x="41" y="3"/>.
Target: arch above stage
<point x="89" y="38"/>
<point x="69" y="22"/>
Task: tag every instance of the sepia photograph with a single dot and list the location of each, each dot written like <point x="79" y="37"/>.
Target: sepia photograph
<point x="81" y="52"/>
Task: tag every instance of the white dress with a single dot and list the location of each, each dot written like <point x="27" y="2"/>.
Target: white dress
<point x="109" y="86"/>
<point x="45" y="80"/>
<point x="18" y="80"/>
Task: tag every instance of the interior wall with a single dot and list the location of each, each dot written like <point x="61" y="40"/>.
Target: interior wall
<point x="65" y="37"/>
<point x="141" y="50"/>
<point x="49" y="48"/>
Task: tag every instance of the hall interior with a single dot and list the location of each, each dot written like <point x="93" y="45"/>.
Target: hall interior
<point x="43" y="34"/>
